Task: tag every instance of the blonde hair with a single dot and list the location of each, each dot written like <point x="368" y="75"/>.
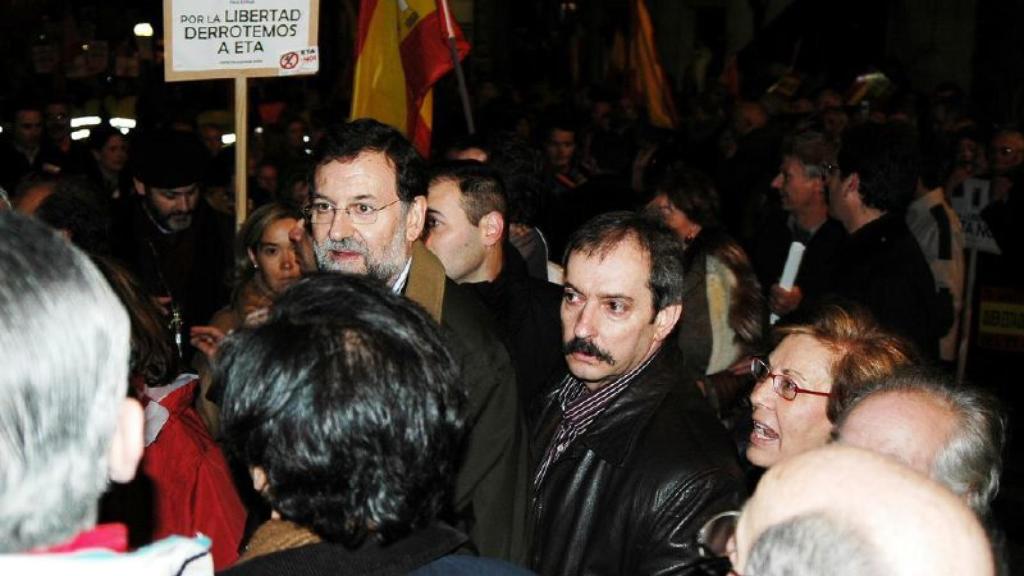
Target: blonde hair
<point x="862" y="351"/>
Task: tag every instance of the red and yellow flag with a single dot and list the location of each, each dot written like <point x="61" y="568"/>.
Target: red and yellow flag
<point x="648" y="78"/>
<point x="401" y="51"/>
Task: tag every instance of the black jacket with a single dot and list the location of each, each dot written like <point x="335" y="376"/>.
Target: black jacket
<point x="527" y="311"/>
<point x="819" y="263"/>
<point x="629" y="496"/>
<point x="191" y="265"/>
<point x="883" y="268"/>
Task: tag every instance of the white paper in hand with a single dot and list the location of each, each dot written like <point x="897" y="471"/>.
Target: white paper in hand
<point x="790" y="270"/>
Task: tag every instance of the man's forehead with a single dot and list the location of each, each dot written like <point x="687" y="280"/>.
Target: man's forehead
<point x="367" y="175"/>
<point x="609" y="268"/>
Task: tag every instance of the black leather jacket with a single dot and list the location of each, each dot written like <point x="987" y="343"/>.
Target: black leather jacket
<point x="629" y="496"/>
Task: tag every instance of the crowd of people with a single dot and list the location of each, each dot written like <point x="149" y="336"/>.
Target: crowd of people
<point x="557" y="347"/>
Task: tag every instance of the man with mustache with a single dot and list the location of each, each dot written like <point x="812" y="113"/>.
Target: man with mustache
<point x="366" y="213"/>
<point x="175" y="243"/>
<point x="631" y="460"/>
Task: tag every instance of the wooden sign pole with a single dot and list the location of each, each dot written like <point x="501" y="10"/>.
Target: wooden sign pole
<point x="241" y="143"/>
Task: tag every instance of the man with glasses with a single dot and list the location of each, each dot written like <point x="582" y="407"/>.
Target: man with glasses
<point x="881" y="264"/>
<point x="366" y="213"/>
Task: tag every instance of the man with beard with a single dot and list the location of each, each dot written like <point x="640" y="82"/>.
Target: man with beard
<point x="634" y="460"/>
<point x="366" y="212"/>
<point x="178" y="246"/>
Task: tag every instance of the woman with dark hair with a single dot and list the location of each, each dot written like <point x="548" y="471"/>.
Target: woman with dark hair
<point x="812" y="374"/>
<point x="724" y="308"/>
<point x="192" y="490"/>
<point x="110" y="154"/>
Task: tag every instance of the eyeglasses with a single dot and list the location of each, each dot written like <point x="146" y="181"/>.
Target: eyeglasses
<point x="323" y="212"/>
<point x="783" y="384"/>
<point x="713" y="537"/>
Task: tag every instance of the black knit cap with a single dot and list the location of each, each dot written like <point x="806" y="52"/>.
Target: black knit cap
<point x="169" y="159"/>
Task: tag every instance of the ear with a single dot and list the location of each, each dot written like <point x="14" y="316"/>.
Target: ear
<point x="492" y="228"/>
<point x="140" y="188"/>
<point x="127" y="445"/>
<point x="415" y="217"/>
<point x="259" y="479"/>
<point x="665" y="321"/>
<point x="852" y="184"/>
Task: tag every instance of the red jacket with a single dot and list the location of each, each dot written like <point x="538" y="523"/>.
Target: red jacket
<point x="192" y="485"/>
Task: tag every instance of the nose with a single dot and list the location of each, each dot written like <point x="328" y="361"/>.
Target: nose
<point x="762" y="393"/>
<point x="583" y="326"/>
<point x="181" y="202"/>
<point x="777" y="182"/>
<point x="289" y="261"/>
<point x="341" y="226"/>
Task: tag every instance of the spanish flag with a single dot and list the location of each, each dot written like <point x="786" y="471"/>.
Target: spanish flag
<point x="401" y="51"/>
<point x="648" y="78"/>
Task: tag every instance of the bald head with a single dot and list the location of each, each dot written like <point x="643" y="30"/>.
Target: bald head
<point x="895" y="518"/>
<point x="912" y="427"/>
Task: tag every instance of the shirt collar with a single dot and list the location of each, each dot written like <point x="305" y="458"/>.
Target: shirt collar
<point x="403" y="278"/>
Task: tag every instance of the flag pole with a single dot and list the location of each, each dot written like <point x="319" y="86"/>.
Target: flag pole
<point x="459" y="76"/>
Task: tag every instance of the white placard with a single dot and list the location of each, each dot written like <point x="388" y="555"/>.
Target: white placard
<point x="231" y="38"/>
<point x="968" y="200"/>
<point x="790" y="270"/>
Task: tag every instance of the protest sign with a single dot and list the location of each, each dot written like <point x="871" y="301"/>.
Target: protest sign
<point x="240" y="38"/>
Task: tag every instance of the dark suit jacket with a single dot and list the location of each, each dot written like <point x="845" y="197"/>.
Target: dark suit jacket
<point x="882" y="268"/>
<point x="630" y="494"/>
<point x="490" y="491"/>
<point x="821" y="259"/>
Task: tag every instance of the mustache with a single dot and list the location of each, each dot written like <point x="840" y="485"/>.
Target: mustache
<point x="579" y="345"/>
<point x="349" y="244"/>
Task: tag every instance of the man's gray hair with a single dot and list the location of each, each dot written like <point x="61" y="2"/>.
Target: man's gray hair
<point x="64" y="338"/>
<point x="971" y="462"/>
<point x="810" y="545"/>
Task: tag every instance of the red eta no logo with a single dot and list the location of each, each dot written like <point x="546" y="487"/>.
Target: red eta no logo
<point x="290" y="60"/>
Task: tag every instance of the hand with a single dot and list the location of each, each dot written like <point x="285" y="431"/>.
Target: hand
<point x="206" y="339"/>
<point x="303" y="245"/>
<point x="782" y="301"/>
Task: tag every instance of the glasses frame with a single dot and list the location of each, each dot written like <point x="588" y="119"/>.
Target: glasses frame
<point x="778" y="379"/>
<point x="704" y="548"/>
<point x="362" y="219"/>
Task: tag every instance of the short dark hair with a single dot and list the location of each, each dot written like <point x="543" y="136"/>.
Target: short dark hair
<point x="603" y="233"/>
<point x="100" y="135"/>
<point x="349" y="400"/>
<point x="887" y="162"/>
<point x="522" y="169"/>
<point x="692" y="192"/>
<point x="971" y="462"/>
<point x="482" y="189"/>
<point x="74" y="206"/>
<point x="346" y="141"/>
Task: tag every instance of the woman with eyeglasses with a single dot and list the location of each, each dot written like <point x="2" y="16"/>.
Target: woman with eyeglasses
<point x="806" y="381"/>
